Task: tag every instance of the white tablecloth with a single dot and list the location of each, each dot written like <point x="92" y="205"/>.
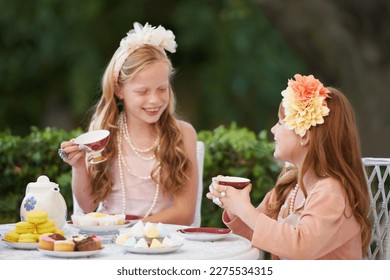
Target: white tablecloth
<point x="231" y="247"/>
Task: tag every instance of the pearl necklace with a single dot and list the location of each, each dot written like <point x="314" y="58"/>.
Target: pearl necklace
<point x="122" y="160"/>
<point x="136" y="150"/>
<point x="292" y="199"/>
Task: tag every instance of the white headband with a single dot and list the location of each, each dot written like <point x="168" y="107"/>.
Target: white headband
<point x="143" y="35"/>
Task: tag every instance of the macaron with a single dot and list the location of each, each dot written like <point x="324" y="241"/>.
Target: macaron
<point x="11" y="236"/>
<point x="24" y="227"/>
<point x="36" y="216"/>
<point x="48" y="226"/>
<point x="28" y="238"/>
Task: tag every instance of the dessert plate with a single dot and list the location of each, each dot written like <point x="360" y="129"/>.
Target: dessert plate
<point x="163" y="250"/>
<point x="23" y="246"/>
<point x="204" y="233"/>
<point x="97" y="229"/>
<point x="74" y="254"/>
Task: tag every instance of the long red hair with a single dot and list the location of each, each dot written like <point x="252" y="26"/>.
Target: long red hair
<point x="334" y="150"/>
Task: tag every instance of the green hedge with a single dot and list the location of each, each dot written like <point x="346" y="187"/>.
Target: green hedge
<point x="24" y="159"/>
<point x="229" y="151"/>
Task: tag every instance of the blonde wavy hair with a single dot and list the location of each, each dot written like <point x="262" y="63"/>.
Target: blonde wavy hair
<point x="175" y="165"/>
<point x="334" y="150"/>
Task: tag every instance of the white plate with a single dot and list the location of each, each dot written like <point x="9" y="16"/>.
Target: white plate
<point x="24" y="246"/>
<point x="97" y="229"/>
<point x="163" y="250"/>
<point x="74" y="254"/>
<point x="204" y="234"/>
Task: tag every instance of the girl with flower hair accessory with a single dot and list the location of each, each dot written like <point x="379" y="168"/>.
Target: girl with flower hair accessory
<point x="151" y="169"/>
<point x="319" y="206"/>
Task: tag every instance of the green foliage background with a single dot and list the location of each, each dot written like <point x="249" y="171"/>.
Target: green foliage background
<point x="231" y="63"/>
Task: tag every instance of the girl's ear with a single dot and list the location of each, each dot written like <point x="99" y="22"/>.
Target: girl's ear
<point x="118" y="92"/>
<point x="305" y="139"/>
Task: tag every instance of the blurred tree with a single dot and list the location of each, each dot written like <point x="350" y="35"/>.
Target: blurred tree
<point x="235" y="64"/>
<point x="52" y="55"/>
<point x="231" y="64"/>
<point x="345" y="43"/>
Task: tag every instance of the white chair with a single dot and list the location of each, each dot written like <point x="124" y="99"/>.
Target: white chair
<point x="200" y="158"/>
<point x="378" y="181"/>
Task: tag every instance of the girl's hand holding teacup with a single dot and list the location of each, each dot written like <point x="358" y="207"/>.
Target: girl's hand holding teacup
<point x="71" y="153"/>
<point x="229" y="198"/>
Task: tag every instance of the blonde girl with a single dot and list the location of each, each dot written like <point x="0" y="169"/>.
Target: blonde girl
<point x="151" y="170"/>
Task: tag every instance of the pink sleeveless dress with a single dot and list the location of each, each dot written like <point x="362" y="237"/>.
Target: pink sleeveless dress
<point x="139" y="193"/>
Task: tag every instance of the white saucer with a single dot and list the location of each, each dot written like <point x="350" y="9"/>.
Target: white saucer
<point x="74" y="254"/>
<point x="23" y="246"/>
<point x="204" y="233"/>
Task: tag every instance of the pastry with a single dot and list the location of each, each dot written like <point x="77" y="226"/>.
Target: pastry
<point x="162" y="229"/>
<point x="48" y="226"/>
<point x="11" y="236"/>
<point x="64" y="245"/>
<point x="46" y="242"/>
<point x="168" y="242"/>
<point x="96" y="214"/>
<point x="78" y="237"/>
<point x="86" y="220"/>
<point x="24" y="227"/>
<point x="98" y="219"/>
<point x="98" y="241"/>
<point x="130" y="242"/>
<point x="85" y="244"/>
<point x="36" y="216"/>
<point x="120" y="219"/>
<point x="56" y="236"/>
<point x="138" y="230"/>
<point x="107" y="221"/>
<point x="28" y="238"/>
<point x="152" y="232"/>
<point x="141" y="243"/>
<point x="156" y="244"/>
<point x="36" y="236"/>
<point x="122" y="238"/>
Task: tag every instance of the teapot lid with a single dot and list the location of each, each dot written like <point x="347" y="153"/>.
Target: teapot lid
<point x="43" y="181"/>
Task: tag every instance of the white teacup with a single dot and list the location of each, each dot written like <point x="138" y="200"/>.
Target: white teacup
<point x="94" y="142"/>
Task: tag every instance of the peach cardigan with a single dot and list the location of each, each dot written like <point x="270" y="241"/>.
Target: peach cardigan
<point x="326" y="228"/>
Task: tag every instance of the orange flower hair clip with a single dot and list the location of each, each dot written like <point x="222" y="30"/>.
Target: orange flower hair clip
<point x="304" y="103"/>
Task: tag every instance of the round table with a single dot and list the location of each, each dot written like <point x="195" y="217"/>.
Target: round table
<point x="230" y="247"/>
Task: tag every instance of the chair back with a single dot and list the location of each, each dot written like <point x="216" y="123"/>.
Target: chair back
<point x="378" y="182"/>
<point x="200" y="149"/>
<point x="200" y="158"/>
